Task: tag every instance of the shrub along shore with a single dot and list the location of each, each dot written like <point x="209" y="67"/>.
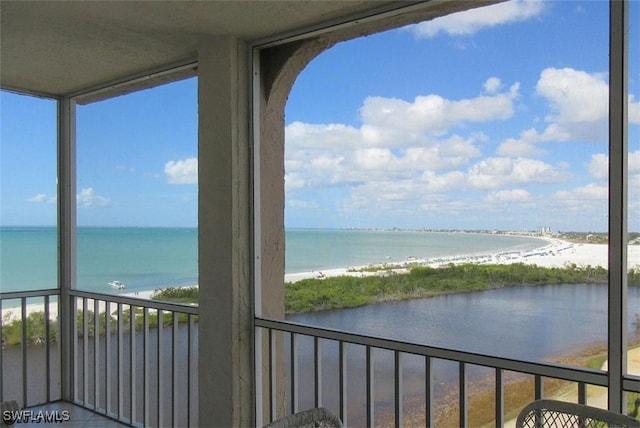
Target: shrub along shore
<point x="419" y="282"/>
<point x="317" y="294"/>
<point x="349" y="291"/>
<point x="338" y="292"/>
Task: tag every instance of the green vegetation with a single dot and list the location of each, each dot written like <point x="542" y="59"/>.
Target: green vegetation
<point x="595" y="237"/>
<point x="35" y="329"/>
<point x="340" y="292"/>
<point x="152" y="317"/>
<point x="596" y="361"/>
<point x="382" y="268"/>
<point x="349" y="291"/>
<point x="186" y="295"/>
<point x="633" y="404"/>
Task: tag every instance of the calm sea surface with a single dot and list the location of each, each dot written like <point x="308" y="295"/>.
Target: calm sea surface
<point x="309" y="250"/>
<point x="150" y="258"/>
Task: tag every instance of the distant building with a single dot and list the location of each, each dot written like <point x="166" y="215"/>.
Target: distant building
<point x="544" y="230"/>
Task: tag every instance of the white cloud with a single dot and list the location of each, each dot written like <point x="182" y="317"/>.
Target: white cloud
<point x="590" y="192"/>
<point x="398" y="140"/>
<point x="578" y="102"/>
<point x="182" y="171"/>
<point x="513" y="195"/>
<point x="634" y="110"/>
<point x="599" y="166"/>
<point x="296" y="203"/>
<point x="578" y="110"/>
<point x="40" y="197"/>
<point x="306" y="135"/>
<point x="124" y="168"/>
<point x="492" y="173"/>
<point x="406" y="157"/>
<point x="88" y="199"/>
<point x="391" y="121"/>
<point x="525" y="145"/>
<point x="519" y="148"/>
<point x="492" y="85"/>
<point x="294" y="180"/>
<point x="575" y="96"/>
<point x="471" y="21"/>
<point x="634" y="162"/>
<point x="431" y="191"/>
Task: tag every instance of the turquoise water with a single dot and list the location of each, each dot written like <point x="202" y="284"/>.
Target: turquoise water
<point x="149" y="258"/>
<point x="142" y="258"/>
<point x="312" y="249"/>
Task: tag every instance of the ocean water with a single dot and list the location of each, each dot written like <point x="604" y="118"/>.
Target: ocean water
<point x="150" y="258"/>
<point x="142" y="258"/>
<point x="313" y="249"/>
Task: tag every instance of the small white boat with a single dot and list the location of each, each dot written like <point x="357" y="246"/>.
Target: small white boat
<point x="117" y="284"/>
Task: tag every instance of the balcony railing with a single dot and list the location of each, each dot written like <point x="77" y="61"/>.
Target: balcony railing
<point x="370" y="381"/>
<point x="132" y="360"/>
<point x="135" y="362"/>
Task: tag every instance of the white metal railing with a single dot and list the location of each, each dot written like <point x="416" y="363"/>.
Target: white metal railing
<point x="29" y="359"/>
<point x="296" y="374"/>
<point x="132" y="360"/>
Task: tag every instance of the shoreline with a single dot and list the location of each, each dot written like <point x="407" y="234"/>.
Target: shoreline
<point x="557" y="253"/>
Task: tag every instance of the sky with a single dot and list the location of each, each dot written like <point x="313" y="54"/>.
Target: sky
<point x="494" y="118"/>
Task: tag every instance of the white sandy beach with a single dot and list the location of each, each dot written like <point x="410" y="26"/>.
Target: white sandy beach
<point x="557" y="253"/>
<point x="11" y="312"/>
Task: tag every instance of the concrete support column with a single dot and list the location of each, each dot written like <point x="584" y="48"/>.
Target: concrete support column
<point x="278" y="69"/>
<point x="66" y="240"/>
<point x="225" y="370"/>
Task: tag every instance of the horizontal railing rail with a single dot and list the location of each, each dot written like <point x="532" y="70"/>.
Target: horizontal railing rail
<point x="27" y="294"/>
<point x="138" y="302"/>
<point x="590" y="376"/>
<point x="286" y="356"/>
<point x="133" y="360"/>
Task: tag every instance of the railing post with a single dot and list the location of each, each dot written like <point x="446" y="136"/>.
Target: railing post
<point x="343" y="382"/>
<point x="317" y="371"/>
<point x="462" y="369"/>
<point x="399" y="408"/>
<point x="370" y="387"/>
<point x="428" y="391"/>
<point x="499" y="398"/>
<point x="294" y="374"/>
<point x="23" y="351"/>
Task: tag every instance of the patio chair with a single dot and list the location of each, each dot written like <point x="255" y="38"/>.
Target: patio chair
<point x="552" y="413"/>
<point x="316" y="418"/>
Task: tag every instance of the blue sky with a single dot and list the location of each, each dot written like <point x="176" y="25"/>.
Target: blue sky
<point x="494" y="118"/>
